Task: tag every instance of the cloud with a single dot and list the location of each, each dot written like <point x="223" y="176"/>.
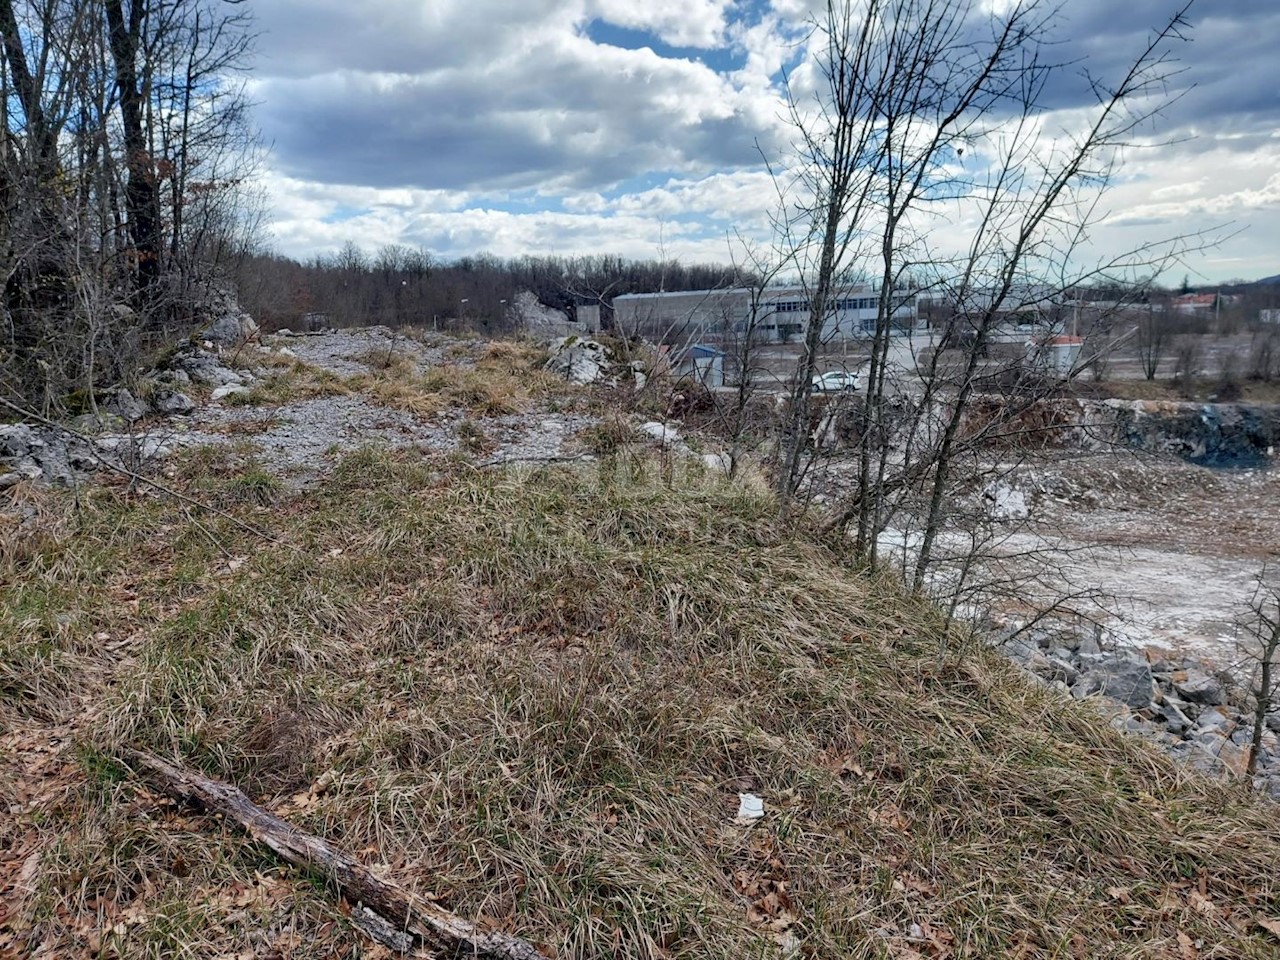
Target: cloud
<point x="681" y="23"/>
<point x="564" y="113"/>
<point x="501" y="125"/>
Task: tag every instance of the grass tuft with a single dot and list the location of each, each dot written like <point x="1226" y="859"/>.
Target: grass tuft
<point x="505" y="379"/>
<point x="298" y="381"/>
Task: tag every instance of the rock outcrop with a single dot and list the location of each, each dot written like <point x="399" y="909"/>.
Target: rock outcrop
<point x="228" y="324"/>
<point x="581" y="360"/>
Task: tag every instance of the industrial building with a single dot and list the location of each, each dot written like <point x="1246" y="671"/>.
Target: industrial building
<point x="780" y="314"/>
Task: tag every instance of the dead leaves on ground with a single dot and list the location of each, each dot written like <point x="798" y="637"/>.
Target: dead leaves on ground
<point x="764" y="882"/>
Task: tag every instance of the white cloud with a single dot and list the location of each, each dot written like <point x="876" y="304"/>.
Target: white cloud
<point x="493" y="124"/>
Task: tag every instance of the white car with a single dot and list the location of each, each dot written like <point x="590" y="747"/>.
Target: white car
<point x="837" y="381"/>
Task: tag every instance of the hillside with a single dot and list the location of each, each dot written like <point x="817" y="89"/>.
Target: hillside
<point x="534" y="696"/>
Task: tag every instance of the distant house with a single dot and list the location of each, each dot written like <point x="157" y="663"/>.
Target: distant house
<point x="1269" y="316"/>
<point x="1195" y="302"/>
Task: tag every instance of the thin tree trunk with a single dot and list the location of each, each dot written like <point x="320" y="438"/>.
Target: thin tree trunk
<point x="1263" y="698"/>
<point x="141" y="190"/>
<point x="398" y="911"/>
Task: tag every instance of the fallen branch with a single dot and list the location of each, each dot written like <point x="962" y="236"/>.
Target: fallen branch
<point x="394" y="917"/>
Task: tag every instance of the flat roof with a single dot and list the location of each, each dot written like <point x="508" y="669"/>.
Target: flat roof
<point x="721" y="291"/>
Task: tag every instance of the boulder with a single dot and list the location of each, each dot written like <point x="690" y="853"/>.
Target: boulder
<point x="1174" y="719"/>
<point x="719" y="463"/>
<point x="126" y="406"/>
<point x="1005" y="502"/>
<point x="17" y="440"/>
<point x="580" y="359"/>
<point x="175" y="404"/>
<point x="1197" y="686"/>
<point x="527" y="312"/>
<point x="1128" y="681"/>
<point x="27" y="467"/>
<point x="1199" y="758"/>
<point x="1214" y="720"/>
<point x="662" y="432"/>
<point x="229" y="325"/>
<point x="231" y="329"/>
<point x="1053" y="669"/>
<point x="1089" y="644"/>
<point x="228" y="390"/>
<point x="206" y="369"/>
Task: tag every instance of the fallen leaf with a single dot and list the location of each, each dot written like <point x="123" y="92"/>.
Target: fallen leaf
<point x="1272" y="926"/>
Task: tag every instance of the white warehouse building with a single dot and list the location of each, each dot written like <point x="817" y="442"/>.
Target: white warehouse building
<point x="781" y="315"/>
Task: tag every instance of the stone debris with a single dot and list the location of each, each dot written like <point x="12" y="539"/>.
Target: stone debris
<point x="665" y="433"/>
<point x="1128" y="681"/>
<point x="174" y="404"/>
<point x="528" y="313"/>
<point x="718" y="463"/>
<point x="1006" y="502"/>
<point x="1198" y="716"/>
<point x="297" y="440"/>
<point x="351" y="352"/>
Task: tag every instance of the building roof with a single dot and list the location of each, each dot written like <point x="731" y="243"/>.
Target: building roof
<point x="703" y="350"/>
<point x="1196" y="299"/>
<point x="765" y="292"/>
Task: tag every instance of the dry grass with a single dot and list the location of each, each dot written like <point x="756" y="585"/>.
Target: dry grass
<point x="536" y="696"/>
<point x="504" y="379"/>
<point x="289" y="384"/>
<point x="387" y="359"/>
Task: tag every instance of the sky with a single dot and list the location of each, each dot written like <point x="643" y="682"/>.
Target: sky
<point x="642" y="127"/>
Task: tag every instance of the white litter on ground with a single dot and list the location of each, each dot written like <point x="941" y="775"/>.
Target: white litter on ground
<point x="750" y="807"/>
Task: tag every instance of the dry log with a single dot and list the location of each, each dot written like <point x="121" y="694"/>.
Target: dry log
<point x="396" y="911"/>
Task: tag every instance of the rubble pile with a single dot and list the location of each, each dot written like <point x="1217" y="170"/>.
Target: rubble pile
<point x="1198" y="715"/>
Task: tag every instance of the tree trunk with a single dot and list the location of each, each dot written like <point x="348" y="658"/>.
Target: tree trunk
<point x="142" y="196"/>
<point x="1263" y="697"/>
<point x="397" y="911"/>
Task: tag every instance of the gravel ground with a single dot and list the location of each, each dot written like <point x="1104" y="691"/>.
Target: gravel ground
<point x="302" y="440"/>
<point x="1182" y="546"/>
<point x="338" y="350"/>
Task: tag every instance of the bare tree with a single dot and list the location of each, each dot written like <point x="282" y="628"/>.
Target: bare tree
<point x="1152" y="341"/>
<point x="121" y="177"/>
<point x="928" y="104"/>
<point x="1261" y="648"/>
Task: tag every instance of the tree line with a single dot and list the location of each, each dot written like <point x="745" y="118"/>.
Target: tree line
<point x="398" y="285"/>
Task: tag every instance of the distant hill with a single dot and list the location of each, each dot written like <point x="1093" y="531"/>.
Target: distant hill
<point x="1268" y="281"/>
